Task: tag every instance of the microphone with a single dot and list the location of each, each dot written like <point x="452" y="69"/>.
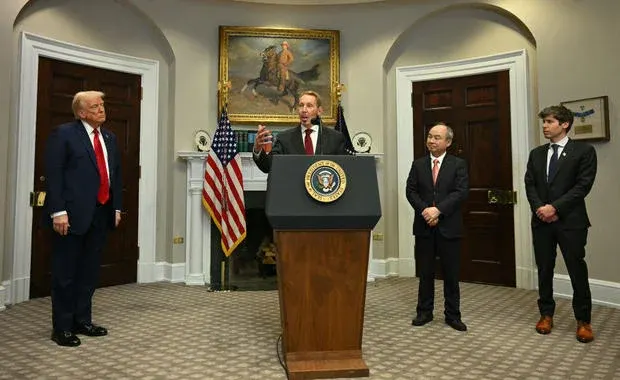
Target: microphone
<point x="317" y="121"/>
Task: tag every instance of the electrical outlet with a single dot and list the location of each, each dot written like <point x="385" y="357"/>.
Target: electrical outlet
<point x="377" y="236"/>
<point x="177" y="240"/>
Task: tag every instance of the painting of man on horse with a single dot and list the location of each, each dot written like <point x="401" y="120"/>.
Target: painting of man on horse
<point x="268" y="73"/>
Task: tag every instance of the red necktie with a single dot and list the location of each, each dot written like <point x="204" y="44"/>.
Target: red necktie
<point x="104" y="183"/>
<point x="435" y="170"/>
<point x="308" y="142"/>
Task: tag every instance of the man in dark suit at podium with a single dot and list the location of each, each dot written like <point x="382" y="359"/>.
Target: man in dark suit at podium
<point x="559" y="176"/>
<point x="437" y="186"/>
<point x="83" y="202"/>
<point x="309" y="138"/>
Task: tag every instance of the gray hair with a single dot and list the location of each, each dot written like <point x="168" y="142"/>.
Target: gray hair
<point x="449" y="131"/>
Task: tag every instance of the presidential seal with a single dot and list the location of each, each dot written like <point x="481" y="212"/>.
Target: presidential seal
<point x="325" y="181"/>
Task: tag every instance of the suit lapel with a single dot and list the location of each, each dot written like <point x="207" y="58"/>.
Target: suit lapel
<point x="427" y="171"/>
<point x="297" y="142"/>
<point x="85" y="139"/>
<point x="445" y="166"/>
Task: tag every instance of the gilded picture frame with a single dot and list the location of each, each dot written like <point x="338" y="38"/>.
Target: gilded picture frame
<point x="251" y="62"/>
<point x="591" y="118"/>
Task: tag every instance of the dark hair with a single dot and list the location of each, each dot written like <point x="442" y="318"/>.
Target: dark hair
<point x="560" y="113"/>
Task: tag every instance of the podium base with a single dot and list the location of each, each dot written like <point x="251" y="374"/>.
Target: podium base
<point x="326" y="364"/>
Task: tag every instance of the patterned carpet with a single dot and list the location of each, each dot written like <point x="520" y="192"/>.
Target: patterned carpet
<point x="172" y="331"/>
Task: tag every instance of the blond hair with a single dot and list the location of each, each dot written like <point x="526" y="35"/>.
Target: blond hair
<point x="78" y="100"/>
<point x="312" y="93"/>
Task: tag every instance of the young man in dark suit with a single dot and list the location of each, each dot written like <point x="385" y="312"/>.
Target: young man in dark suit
<point x="83" y="201"/>
<point x="310" y="137"/>
<point x="437" y="186"/>
<point x="559" y="176"/>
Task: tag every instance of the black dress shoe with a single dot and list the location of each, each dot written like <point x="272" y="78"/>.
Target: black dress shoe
<point x="422" y="319"/>
<point x="65" y="338"/>
<point x="89" y="329"/>
<point x="456" y="324"/>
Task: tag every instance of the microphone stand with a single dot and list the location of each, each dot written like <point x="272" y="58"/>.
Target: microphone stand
<point x="317" y="121"/>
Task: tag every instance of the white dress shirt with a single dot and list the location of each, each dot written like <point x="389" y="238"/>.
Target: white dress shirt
<point x="314" y="136"/>
<point x="440" y="158"/>
<point x="561" y="144"/>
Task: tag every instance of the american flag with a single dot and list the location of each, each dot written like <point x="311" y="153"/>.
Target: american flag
<point x="341" y="126"/>
<point x="222" y="189"/>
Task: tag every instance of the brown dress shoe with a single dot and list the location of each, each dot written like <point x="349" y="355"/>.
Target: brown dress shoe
<point x="544" y="325"/>
<point x="584" y="332"/>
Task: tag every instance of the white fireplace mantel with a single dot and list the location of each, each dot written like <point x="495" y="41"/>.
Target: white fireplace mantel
<point x="198" y="220"/>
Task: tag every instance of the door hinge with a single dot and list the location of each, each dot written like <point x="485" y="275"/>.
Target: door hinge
<point x="141" y="92"/>
<point x="139" y="171"/>
<point x="412" y="104"/>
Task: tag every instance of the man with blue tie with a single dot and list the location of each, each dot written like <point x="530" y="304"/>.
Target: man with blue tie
<point x="83" y="201"/>
<point x="559" y="176"/>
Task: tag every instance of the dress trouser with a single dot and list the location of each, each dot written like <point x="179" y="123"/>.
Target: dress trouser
<point x="427" y="248"/>
<point x="76" y="260"/>
<point x="572" y="243"/>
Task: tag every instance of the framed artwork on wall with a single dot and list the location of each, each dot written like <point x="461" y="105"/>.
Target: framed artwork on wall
<point x="267" y="68"/>
<point x="591" y="119"/>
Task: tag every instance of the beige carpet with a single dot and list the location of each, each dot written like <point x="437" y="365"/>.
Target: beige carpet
<point x="171" y="331"/>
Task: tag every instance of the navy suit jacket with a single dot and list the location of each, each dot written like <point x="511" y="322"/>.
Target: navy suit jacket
<point x="72" y="176"/>
<point x="568" y="188"/>
<point x="448" y="194"/>
<point x="329" y="141"/>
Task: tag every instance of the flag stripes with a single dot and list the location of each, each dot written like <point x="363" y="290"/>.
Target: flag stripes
<point x="222" y="193"/>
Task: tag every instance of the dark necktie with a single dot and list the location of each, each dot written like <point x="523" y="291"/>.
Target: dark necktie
<point x="553" y="163"/>
<point x="104" y="183"/>
<point x="308" y="142"/>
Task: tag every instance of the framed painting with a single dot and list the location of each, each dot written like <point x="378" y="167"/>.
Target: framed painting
<point x="591" y="119"/>
<point x="267" y="68"/>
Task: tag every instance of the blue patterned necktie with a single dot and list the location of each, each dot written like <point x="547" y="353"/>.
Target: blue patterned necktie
<point x="553" y="163"/>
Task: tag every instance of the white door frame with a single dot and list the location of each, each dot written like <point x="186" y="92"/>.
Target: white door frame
<point x="33" y="47"/>
<point x="520" y="119"/>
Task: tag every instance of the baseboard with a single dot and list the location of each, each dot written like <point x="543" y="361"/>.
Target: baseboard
<point x="4" y="294"/>
<point x="169" y="272"/>
<point x="382" y="268"/>
<point x="604" y="293"/>
<point x="161" y="271"/>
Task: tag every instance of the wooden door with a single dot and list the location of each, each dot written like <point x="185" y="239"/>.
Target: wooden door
<point x="478" y="110"/>
<point x="58" y="81"/>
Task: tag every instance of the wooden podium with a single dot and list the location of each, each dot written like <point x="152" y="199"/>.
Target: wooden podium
<point x="322" y="265"/>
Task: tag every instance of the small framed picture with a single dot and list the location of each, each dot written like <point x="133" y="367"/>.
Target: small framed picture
<point x="591" y="119"/>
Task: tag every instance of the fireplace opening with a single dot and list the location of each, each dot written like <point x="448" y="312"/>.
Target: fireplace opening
<point x="252" y="265"/>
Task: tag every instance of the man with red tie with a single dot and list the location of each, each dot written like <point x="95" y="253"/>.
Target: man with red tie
<point x="437" y="187"/>
<point x="83" y="201"/>
<point x="309" y="138"/>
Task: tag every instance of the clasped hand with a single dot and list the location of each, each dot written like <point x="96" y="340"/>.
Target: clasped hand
<point x="431" y="215"/>
<point x="547" y="213"/>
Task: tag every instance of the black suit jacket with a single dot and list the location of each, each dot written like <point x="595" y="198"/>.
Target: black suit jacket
<point x="329" y="141"/>
<point x="568" y="188"/>
<point x="448" y="194"/>
<point x="72" y="176"/>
